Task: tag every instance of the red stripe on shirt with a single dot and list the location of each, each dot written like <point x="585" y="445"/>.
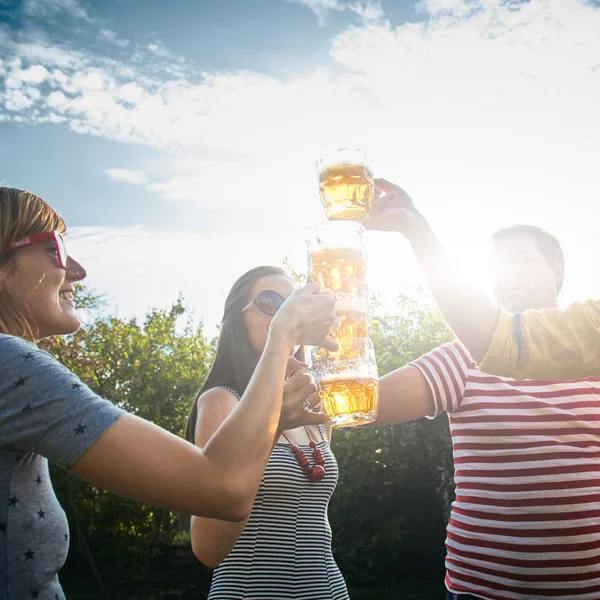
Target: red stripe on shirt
<point x="512" y="424"/>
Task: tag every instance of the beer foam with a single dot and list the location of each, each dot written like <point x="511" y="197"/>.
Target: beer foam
<point x="344" y="163"/>
<point x="351" y="303"/>
<point x="346" y="375"/>
<point x="339" y="246"/>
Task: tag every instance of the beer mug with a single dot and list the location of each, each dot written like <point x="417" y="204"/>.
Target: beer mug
<point x="337" y="259"/>
<point x="348" y="388"/>
<point x="346" y="185"/>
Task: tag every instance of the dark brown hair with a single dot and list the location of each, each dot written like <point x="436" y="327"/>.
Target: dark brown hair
<point x="235" y="357"/>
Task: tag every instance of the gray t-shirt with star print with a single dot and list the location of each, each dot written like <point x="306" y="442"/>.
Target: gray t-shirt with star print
<point x="46" y="413"/>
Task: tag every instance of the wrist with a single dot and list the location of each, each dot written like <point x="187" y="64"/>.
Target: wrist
<point x="420" y="235"/>
<point x="280" y="336"/>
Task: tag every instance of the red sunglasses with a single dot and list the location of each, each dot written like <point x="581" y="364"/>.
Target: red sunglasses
<point x="38" y="238"/>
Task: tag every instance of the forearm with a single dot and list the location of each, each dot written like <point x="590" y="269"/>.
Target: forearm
<point x="468" y="311"/>
<point x="241" y="446"/>
<point x="404" y="395"/>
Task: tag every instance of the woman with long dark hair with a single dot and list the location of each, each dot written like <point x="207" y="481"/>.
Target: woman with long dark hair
<point x="48" y="414"/>
<point x="283" y="550"/>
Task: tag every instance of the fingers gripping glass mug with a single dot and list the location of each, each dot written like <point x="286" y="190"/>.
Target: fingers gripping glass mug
<point x="347" y="379"/>
<point x="346" y="185"/>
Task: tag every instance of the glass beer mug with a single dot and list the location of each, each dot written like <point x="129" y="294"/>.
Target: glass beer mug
<point x="347" y="386"/>
<point x="346" y="380"/>
<point x="346" y="185"/>
<point x="337" y="259"/>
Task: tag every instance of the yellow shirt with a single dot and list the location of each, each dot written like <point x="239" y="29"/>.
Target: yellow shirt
<point x="553" y="344"/>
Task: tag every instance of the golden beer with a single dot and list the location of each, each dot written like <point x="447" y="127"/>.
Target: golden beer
<point x="349" y="400"/>
<point x="353" y="325"/>
<point x="346" y="192"/>
<point x="341" y="270"/>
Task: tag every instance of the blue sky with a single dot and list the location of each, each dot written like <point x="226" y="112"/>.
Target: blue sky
<point x="179" y="143"/>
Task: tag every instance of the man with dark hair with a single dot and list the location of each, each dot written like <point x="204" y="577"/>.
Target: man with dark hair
<point x="524" y="524"/>
<point x="541" y="342"/>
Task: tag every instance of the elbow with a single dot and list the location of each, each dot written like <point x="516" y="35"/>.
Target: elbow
<point x="227" y="499"/>
<point x="236" y="503"/>
<point x="206" y="557"/>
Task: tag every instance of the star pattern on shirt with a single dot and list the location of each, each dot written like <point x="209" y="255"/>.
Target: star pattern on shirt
<point x="76" y="386"/>
<point x="39" y="480"/>
<point x="66" y="537"/>
<point x="41" y="514"/>
<point x="29" y="555"/>
<point x="28" y="356"/>
<point x="20" y="382"/>
<point x="79" y="429"/>
<point x="13" y="501"/>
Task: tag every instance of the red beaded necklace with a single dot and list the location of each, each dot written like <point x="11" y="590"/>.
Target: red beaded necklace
<point x="317" y="471"/>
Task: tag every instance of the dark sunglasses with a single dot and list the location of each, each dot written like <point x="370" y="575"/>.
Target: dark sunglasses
<point x="268" y="302"/>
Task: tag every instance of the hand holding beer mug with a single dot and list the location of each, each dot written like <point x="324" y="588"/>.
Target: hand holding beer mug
<point x="348" y="388"/>
<point x="346" y="185"/>
<point x="393" y="210"/>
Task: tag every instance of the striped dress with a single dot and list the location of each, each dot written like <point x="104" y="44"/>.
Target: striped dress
<point x="284" y="552"/>
<point x="526" y="521"/>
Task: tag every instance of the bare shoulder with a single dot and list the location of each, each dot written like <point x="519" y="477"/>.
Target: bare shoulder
<point x="214" y="406"/>
<point x="217" y="399"/>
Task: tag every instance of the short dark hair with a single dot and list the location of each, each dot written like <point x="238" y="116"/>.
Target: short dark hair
<point x="547" y="244"/>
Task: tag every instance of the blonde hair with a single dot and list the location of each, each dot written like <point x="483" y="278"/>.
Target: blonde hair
<point x="21" y="214"/>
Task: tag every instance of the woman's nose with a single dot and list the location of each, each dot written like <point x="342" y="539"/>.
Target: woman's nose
<point x="75" y="270"/>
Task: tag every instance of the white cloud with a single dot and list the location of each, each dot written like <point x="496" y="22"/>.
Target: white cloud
<point x="35" y="74"/>
<point x="15" y="101"/>
<point x="47" y="8"/>
<point x="50" y="56"/>
<point x="112" y="37"/>
<point x="488" y="116"/>
<point x="370" y="11"/>
<point x="127" y="176"/>
<point x="159" y="49"/>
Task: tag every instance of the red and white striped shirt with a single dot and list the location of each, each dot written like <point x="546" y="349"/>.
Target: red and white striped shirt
<point x="526" y="520"/>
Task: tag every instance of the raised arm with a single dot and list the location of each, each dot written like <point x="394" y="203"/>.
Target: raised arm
<point x="468" y="311"/>
<point x="213" y="539"/>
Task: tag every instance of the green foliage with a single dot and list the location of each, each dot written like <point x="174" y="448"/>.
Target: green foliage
<point x="388" y="514"/>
